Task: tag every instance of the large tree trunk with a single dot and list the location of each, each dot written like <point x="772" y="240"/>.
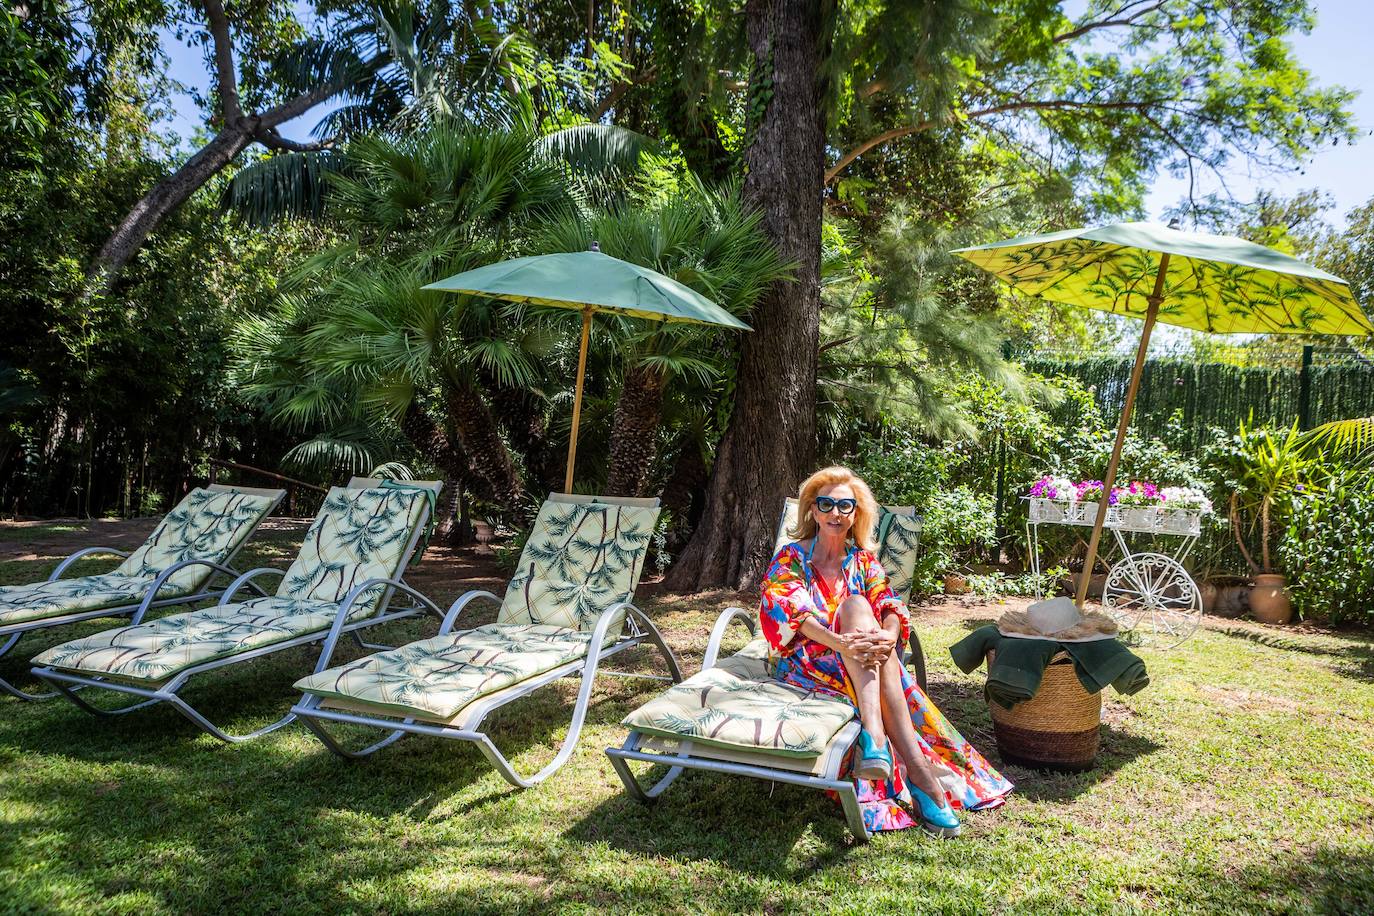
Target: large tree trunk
<point x="522" y="415"/>
<point x="436" y="448"/>
<point x="475" y="426"/>
<point x="165" y="196"/>
<point x="634" y="435"/>
<point x="771" y="440"/>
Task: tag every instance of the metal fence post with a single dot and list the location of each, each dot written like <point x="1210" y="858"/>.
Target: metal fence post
<point x="1305" y="389"/>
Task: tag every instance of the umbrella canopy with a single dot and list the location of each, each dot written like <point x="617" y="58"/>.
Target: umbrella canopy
<point x="585" y="280"/>
<point x="589" y="282"/>
<point x="1213" y="283"/>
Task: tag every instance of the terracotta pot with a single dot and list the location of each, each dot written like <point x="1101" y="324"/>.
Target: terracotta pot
<point x="955" y="584"/>
<point x="1269" y="599"/>
<point x="1226" y="596"/>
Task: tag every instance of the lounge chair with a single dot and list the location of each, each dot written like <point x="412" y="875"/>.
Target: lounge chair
<point x="734" y="717"/>
<point x="343" y="579"/>
<point x="566" y="610"/>
<point x="190" y="547"/>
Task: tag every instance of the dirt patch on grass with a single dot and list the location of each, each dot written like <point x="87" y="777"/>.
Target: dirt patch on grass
<point x="1248" y="700"/>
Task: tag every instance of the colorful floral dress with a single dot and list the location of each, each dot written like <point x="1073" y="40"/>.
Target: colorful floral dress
<point x="791" y="594"/>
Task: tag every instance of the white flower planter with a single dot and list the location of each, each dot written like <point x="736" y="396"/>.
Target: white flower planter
<point x="1048" y="510"/>
<point x="1180" y="521"/>
<point x="1143" y="518"/>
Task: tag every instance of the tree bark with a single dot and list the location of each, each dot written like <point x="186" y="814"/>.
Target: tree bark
<point x="475" y="426"/>
<point x="165" y="196"/>
<point x="634" y="434"/>
<point x="771" y="440"/>
<point x="436" y="447"/>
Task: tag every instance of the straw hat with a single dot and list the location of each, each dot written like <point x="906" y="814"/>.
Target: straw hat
<point x="1058" y="619"/>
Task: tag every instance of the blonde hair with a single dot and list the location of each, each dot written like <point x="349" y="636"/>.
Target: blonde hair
<point x="865" y="510"/>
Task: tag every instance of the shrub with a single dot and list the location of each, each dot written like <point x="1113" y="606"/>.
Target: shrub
<point x="1328" y="550"/>
<point x="957" y="522"/>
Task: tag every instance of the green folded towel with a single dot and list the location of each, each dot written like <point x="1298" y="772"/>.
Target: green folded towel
<point x="1015" y="674"/>
<point x="1104" y="662"/>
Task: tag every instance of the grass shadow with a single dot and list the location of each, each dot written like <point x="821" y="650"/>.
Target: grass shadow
<point x="1118" y="749"/>
<point x="745" y="824"/>
<point x="1316" y="879"/>
<point x="1352" y="655"/>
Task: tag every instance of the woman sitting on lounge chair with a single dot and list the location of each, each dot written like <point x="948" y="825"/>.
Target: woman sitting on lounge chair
<point x="834" y="624"/>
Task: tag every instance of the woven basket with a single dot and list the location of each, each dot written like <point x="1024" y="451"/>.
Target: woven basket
<point x="1057" y="729"/>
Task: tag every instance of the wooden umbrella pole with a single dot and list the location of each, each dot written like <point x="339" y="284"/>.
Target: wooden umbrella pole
<point x="577" y="399"/>
<point x="1110" y="479"/>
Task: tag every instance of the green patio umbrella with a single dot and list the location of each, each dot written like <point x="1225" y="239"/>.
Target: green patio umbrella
<point x="589" y="282"/>
<point x="1213" y="283"/>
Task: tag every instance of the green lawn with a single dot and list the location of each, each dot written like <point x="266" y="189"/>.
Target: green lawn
<point x="1242" y="780"/>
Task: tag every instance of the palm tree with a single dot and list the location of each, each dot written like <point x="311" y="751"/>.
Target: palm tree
<point x="357" y="339"/>
<point x="1351" y="440"/>
<point x="706" y="239"/>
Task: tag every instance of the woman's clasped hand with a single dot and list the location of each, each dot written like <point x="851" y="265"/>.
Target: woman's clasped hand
<point x="867" y="648"/>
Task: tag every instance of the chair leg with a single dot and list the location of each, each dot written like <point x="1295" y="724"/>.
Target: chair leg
<point x="7" y="687"/>
<point x="918" y="660"/>
<point x="632" y="785"/>
<point x="312" y="702"/>
<point x="849" y="799"/>
<point x="656" y="638"/>
<point x="215" y="731"/>
<point x="69" y="691"/>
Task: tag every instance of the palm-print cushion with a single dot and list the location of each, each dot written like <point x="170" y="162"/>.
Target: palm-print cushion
<point x="206" y="525"/>
<point x="157" y="650"/>
<point x="359" y="534"/>
<point x="436" y="678"/>
<point x="580" y="559"/>
<point x="898" y="536"/>
<point x="737" y="704"/>
<point x="21" y="603"/>
<point x="898" y="547"/>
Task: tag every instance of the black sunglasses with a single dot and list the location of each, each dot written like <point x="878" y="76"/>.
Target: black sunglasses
<point x="828" y="504"/>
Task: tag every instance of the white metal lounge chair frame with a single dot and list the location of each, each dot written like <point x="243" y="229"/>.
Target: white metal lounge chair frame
<point x="822" y="772"/>
<point x="687" y="756"/>
<point x="314" y="710"/>
<point x="16" y="631"/>
<point x="67" y="683"/>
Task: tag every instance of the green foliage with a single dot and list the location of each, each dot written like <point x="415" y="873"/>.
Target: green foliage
<point x="1327" y="549"/>
<point x="1193" y="397"/>
<point x="127" y="391"/>
<point x="1025" y="585"/>
<point x="957" y="522"/>
<point x="1267" y="473"/>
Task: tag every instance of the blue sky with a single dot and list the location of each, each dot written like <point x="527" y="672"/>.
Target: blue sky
<point x="1337" y="52"/>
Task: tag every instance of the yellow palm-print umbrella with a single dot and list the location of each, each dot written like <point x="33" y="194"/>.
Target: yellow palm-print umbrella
<point x="1213" y="283"/>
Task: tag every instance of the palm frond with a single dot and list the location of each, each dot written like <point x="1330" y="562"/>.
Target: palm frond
<point x="282" y="186"/>
<point x="1351" y="440"/>
<point x="596" y="148"/>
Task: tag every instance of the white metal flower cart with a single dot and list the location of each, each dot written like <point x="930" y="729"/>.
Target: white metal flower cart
<point x="1150" y="594"/>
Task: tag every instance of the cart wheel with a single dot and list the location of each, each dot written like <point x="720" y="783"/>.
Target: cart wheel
<point x="1153" y="597"/>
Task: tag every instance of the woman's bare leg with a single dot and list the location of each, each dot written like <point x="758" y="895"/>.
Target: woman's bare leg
<point x="897" y="716"/>
<point x="889" y="701"/>
<point x="855" y="615"/>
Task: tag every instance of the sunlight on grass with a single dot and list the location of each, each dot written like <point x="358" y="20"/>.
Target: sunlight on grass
<point x="1240" y="781"/>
